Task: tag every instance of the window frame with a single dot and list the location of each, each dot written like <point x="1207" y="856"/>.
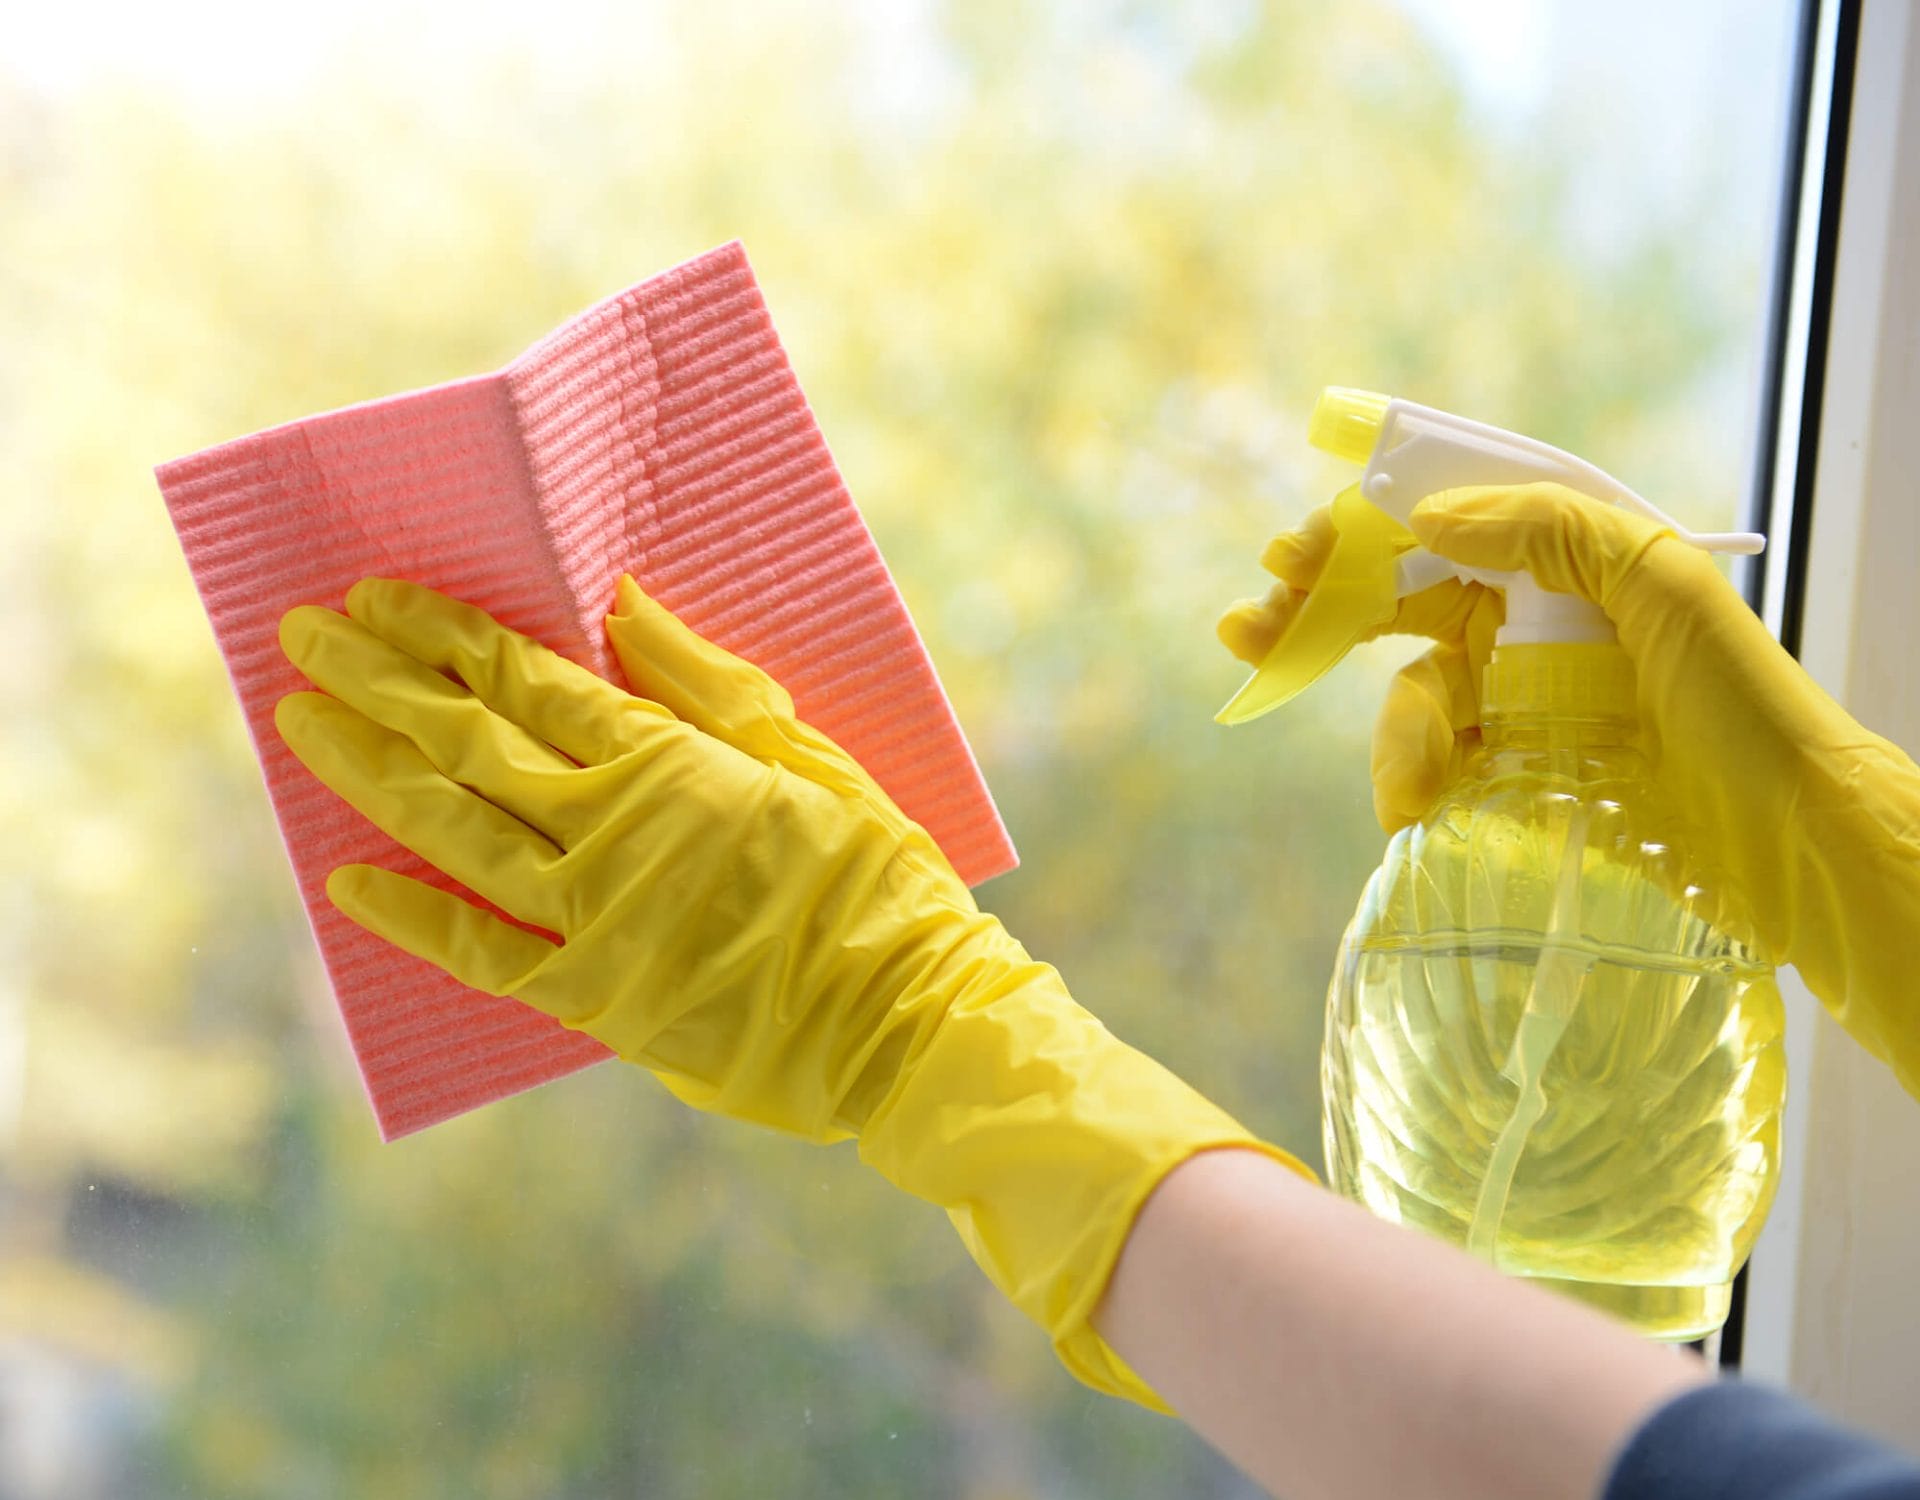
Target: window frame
<point x="1829" y="1305"/>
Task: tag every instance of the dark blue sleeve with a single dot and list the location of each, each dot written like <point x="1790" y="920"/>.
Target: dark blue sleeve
<point x="1733" y="1441"/>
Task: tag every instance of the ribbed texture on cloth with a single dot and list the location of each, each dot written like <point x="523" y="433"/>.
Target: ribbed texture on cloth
<point x="661" y="433"/>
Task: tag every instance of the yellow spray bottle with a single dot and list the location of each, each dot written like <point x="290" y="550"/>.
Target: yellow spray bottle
<point x="1545" y="1039"/>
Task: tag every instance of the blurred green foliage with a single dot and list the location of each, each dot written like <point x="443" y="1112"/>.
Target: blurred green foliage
<point x="1062" y="293"/>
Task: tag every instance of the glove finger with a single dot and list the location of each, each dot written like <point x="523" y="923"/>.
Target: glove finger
<point x="586" y="718"/>
<point x="474" y="946"/>
<point x="1447" y="611"/>
<point x="729" y="698"/>
<point x="1296" y="557"/>
<point x="1416" y="739"/>
<point x="1570" y="543"/>
<point x="1250" y="626"/>
<point x="384" y="777"/>
<point x="465" y="739"/>
<point x="712" y="689"/>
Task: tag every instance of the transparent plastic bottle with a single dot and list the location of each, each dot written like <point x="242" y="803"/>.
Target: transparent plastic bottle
<point x="1542" y="1042"/>
<point x="1546" y="1040"/>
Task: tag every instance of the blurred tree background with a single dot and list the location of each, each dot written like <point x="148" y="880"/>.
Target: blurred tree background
<point x="1061" y="281"/>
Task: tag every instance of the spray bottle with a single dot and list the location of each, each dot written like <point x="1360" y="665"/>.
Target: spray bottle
<point x="1545" y="1040"/>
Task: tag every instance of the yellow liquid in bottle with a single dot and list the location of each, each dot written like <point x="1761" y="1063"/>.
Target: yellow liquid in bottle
<point x="1541" y="1047"/>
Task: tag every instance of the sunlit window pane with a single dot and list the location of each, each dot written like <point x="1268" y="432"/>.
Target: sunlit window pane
<point x="1061" y="282"/>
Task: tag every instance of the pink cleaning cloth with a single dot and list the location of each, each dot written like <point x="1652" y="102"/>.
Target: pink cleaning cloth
<point x="662" y="434"/>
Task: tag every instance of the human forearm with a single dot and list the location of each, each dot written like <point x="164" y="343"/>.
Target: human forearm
<point x="1332" y="1355"/>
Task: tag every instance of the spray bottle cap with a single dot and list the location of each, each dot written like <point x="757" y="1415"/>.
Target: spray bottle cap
<point x="1410" y="452"/>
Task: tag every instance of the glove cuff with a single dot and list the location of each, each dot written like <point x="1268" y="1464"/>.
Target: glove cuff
<point x="1042" y="1135"/>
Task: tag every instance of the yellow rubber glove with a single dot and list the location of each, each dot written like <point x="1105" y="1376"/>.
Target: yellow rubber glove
<point x="1814" y="820"/>
<point x="744" y="912"/>
<point x="1433" y="705"/>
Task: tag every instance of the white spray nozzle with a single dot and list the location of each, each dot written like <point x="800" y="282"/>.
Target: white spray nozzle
<point x="1419" y="451"/>
<point x="1410" y="452"/>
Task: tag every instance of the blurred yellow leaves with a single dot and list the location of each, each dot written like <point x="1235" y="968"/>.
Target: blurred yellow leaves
<point x="178" y="1116"/>
<point x="1060" y="282"/>
<point x="86" y="1316"/>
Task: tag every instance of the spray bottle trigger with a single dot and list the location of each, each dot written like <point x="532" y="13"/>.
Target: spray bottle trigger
<point x="1355" y="593"/>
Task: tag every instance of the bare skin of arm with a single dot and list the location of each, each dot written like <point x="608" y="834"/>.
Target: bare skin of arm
<point x="1334" y="1356"/>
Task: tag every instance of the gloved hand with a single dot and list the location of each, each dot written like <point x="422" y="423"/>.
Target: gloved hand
<point x="1814" y="820"/>
<point x="743" y="911"/>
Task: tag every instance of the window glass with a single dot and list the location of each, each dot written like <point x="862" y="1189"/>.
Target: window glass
<point x="1062" y="282"/>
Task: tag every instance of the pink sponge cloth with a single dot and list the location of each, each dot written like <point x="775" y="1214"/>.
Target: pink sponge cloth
<point x="661" y="434"/>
